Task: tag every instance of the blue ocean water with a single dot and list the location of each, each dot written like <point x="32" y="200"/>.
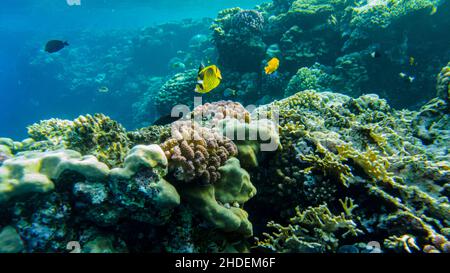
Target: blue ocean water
<point x="25" y="27"/>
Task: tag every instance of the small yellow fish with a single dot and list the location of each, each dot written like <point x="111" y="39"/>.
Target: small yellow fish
<point x="433" y="10"/>
<point x="332" y="20"/>
<point x="208" y="78"/>
<point x="272" y="66"/>
<point x="412" y="61"/>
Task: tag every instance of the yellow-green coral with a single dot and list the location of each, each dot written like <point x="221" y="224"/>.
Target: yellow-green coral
<point x="251" y="139"/>
<point x="312" y="230"/>
<point x="221" y="204"/>
<point x="96" y="135"/>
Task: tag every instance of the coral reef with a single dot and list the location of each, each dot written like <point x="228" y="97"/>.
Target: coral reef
<point x="177" y="90"/>
<point x="237" y="35"/>
<point x="365" y="147"/>
<point x="330" y="168"/>
<point x="312" y="78"/>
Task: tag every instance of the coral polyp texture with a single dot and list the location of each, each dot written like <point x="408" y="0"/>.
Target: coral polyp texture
<point x="196" y="152"/>
<point x="210" y="114"/>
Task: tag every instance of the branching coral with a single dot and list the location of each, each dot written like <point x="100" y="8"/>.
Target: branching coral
<point x="196" y="153"/>
<point x="362" y="145"/>
<point x="312" y="230"/>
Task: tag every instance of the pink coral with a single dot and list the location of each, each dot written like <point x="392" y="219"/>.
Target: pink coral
<point x="211" y="113"/>
<point x="196" y="153"/>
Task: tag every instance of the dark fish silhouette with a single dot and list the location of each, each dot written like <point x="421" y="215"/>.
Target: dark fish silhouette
<point x="164" y="120"/>
<point x="375" y="54"/>
<point x="55" y="46"/>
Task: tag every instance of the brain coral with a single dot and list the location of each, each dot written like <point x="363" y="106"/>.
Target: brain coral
<point x="196" y="152"/>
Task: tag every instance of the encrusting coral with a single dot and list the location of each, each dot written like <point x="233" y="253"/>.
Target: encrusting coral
<point x="39" y="171"/>
<point x="222" y="203"/>
<point x="139" y="187"/>
<point x="252" y="139"/>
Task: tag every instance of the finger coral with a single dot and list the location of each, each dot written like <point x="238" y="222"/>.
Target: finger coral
<point x="196" y="153"/>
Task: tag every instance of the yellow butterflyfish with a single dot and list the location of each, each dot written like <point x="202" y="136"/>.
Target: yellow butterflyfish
<point x="272" y="66"/>
<point x="433" y="10"/>
<point x="208" y="78"/>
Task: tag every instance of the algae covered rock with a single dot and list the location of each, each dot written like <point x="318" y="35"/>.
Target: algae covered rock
<point x="139" y="188"/>
<point x="96" y="135"/>
<point x="10" y="241"/>
<point x="237" y="34"/>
